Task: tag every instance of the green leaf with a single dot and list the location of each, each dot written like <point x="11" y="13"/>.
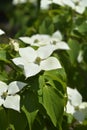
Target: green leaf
<point x="74" y="50"/>
<point x="3" y="76"/>
<point x="3" y="119"/>
<point x="58" y="75"/>
<point x="82" y="28"/>
<point x="30" y="107"/>
<point x="3" y="56"/>
<point x="30" y="116"/>
<point x="41" y="81"/>
<point x="53" y="102"/>
<point x="17" y="121"/>
<point x="57" y="79"/>
<point x="47" y="26"/>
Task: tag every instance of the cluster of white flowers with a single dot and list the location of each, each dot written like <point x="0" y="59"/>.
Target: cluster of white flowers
<point x="54" y="41"/>
<point x="75" y="106"/>
<point x="77" y="5"/>
<point x="33" y="61"/>
<point x="8" y="94"/>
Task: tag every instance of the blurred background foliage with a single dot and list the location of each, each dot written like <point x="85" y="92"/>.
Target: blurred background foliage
<point x="16" y="19"/>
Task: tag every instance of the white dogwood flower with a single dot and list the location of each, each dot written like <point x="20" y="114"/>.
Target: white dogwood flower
<point x="22" y="1"/>
<point x="75" y="106"/>
<point x="1" y="32"/>
<point x="55" y="41"/>
<point x="74" y="96"/>
<point x="77" y="5"/>
<point x="81" y="113"/>
<point x="45" y="3"/>
<point x="8" y="96"/>
<point x="36" y="40"/>
<point x="19" y="1"/>
<point x="33" y="61"/>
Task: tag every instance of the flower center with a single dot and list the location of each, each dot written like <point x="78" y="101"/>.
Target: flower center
<point x="77" y="108"/>
<point x="53" y="42"/>
<point x="4" y="95"/>
<point x="76" y="2"/>
<point x="36" y="41"/>
<point x="38" y="60"/>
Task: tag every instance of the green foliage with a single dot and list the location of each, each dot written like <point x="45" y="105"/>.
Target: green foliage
<point x="30" y="107"/>
<point x="3" y="119"/>
<point x="53" y="107"/>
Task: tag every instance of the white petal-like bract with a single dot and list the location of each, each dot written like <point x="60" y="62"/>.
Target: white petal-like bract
<point x="12" y="102"/>
<point x="15" y="87"/>
<point x="31" y="69"/>
<point x="8" y="96"/>
<point x="74" y="96"/>
<point x="3" y="87"/>
<point x="27" y="53"/>
<point x="44" y="52"/>
<point x="50" y="63"/>
<point x="75" y="106"/>
<point x="1" y="32"/>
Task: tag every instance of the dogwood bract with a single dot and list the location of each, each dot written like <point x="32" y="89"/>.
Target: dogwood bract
<point x="75" y="106"/>
<point x="19" y="1"/>
<point x="1" y="32"/>
<point x="33" y="61"/>
<point x="55" y="41"/>
<point x="36" y="40"/>
<point x="22" y="1"/>
<point x="77" y="5"/>
<point x="45" y="3"/>
<point x="8" y="96"/>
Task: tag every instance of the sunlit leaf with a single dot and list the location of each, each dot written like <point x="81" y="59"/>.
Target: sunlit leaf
<point x="53" y="102"/>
